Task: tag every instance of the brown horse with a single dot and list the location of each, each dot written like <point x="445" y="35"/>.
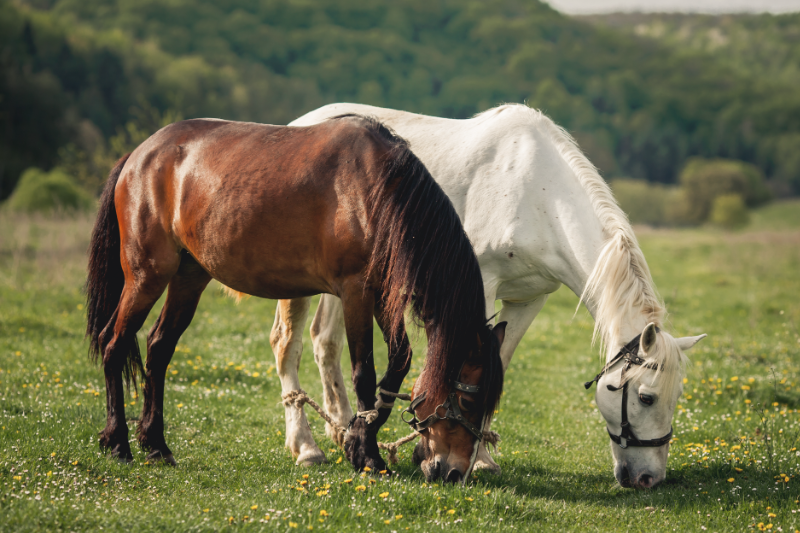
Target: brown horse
<point x="343" y="207"/>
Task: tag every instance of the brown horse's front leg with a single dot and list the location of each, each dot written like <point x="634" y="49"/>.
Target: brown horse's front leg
<point x="361" y="443"/>
<point x="399" y="361"/>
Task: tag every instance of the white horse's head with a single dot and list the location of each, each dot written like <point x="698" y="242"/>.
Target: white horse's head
<point x="650" y="380"/>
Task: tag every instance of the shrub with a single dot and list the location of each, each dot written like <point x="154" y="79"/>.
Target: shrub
<point x="729" y="211"/>
<point x="706" y="179"/>
<point x="650" y="203"/>
<point x="47" y="192"/>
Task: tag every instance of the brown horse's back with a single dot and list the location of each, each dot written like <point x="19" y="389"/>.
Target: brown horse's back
<point x="271" y="211"/>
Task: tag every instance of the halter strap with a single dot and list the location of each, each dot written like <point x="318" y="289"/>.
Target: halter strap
<point x="627" y="438"/>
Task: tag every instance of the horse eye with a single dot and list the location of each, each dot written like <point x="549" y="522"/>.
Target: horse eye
<point x="646" y="399"/>
<point x="466" y="404"/>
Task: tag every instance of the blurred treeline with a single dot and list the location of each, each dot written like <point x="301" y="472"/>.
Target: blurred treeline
<point x="82" y="81"/>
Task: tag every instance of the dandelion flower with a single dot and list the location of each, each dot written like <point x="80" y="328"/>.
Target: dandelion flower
<point x="398" y="516"/>
<point x="339" y="460"/>
<point x="487" y="492"/>
<point x="367" y="469"/>
<point x="361" y="488"/>
<point x="348" y="480"/>
<point x="253" y="507"/>
<point x="451" y="511"/>
<point x="731" y="480"/>
<point x="383" y="494"/>
<point x="323" y="513"/>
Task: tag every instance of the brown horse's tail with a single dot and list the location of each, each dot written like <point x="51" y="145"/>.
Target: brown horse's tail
<point x="106" y="279"/>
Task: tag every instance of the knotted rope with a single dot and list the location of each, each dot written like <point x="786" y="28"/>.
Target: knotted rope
<point x="299" y="398"/>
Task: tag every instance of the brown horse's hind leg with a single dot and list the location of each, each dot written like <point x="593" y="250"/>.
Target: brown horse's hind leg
<point x="135" y="303"/>
<point x="183" y="295"/>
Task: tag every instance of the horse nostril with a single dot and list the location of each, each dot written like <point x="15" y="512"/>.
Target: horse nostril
<point x="646" y="481"/>
<point x="454" y="476"/>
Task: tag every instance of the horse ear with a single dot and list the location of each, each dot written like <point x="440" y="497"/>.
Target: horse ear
<point x="685" y="343"/>
<point x="500" y="332"/>
<point x="648" y="339"/>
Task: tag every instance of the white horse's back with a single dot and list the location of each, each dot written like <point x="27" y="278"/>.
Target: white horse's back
<point x="518" y="198"/>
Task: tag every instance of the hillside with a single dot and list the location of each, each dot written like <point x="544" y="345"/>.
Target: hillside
<point x="754" y="45"/>
<point x="638" y="106"/>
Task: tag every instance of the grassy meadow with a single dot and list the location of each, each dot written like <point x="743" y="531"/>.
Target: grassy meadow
<point x="733" y="464"/>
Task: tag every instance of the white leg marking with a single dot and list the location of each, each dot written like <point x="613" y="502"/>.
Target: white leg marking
<point x="328" y="338"/>
<point x="286" y="339"/>
<point x="519" y="318"/>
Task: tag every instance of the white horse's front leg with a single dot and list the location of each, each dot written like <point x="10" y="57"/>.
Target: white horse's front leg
<point x="286" y="339"/>
<point x="328" y="337"/>
<point x="519" y="317"/>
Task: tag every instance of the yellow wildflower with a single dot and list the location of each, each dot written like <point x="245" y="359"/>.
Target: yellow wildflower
<point x="383" y="494"/>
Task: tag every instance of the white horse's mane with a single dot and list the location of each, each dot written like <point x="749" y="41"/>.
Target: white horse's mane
<point x="620" y="283"/>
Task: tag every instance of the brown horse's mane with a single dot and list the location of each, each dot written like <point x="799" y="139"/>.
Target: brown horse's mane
<point x="425" y="261"/>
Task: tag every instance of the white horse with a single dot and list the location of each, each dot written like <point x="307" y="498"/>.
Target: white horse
<point x="539" y="215"/>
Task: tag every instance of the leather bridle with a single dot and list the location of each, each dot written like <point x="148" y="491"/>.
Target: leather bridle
<point x="630" y="355"/>
<point x="452" y="411"/>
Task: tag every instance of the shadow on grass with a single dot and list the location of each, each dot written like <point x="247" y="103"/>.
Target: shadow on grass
<point x="690" y="489"/>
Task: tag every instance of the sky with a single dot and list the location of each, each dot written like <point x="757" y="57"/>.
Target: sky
<point x="581" y="7"/>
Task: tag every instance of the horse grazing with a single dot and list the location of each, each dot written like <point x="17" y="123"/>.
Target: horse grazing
<point x="538" y="215"/>
<point x="343" y="207"/>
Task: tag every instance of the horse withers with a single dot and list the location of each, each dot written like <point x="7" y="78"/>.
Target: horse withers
<point x="344" y="208"/>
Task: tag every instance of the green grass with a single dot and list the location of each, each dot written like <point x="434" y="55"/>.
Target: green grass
<point x="225" y="423"/>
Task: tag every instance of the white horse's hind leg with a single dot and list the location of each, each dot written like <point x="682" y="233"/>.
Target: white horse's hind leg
<point x="328" y="337"/>
<point x="286" y="339"/>
<point x="519" y="317"/>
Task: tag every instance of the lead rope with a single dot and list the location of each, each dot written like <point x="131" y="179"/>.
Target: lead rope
<point x="299" y="398"/>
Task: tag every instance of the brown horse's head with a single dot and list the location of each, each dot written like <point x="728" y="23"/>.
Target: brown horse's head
<point x="452" y="421"/>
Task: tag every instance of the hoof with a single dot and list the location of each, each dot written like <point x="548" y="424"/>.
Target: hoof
<point x="486" y="463"/>
<point x="492" y="468"/>
<point x="311" y="457"/>
<point x="361" y="448"/>
<point x="121" y="452"/>
<point x="123" y="457"/>
<point x="157" y="457"/>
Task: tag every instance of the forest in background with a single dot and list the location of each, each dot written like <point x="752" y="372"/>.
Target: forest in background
<point x="83" y="81"/>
